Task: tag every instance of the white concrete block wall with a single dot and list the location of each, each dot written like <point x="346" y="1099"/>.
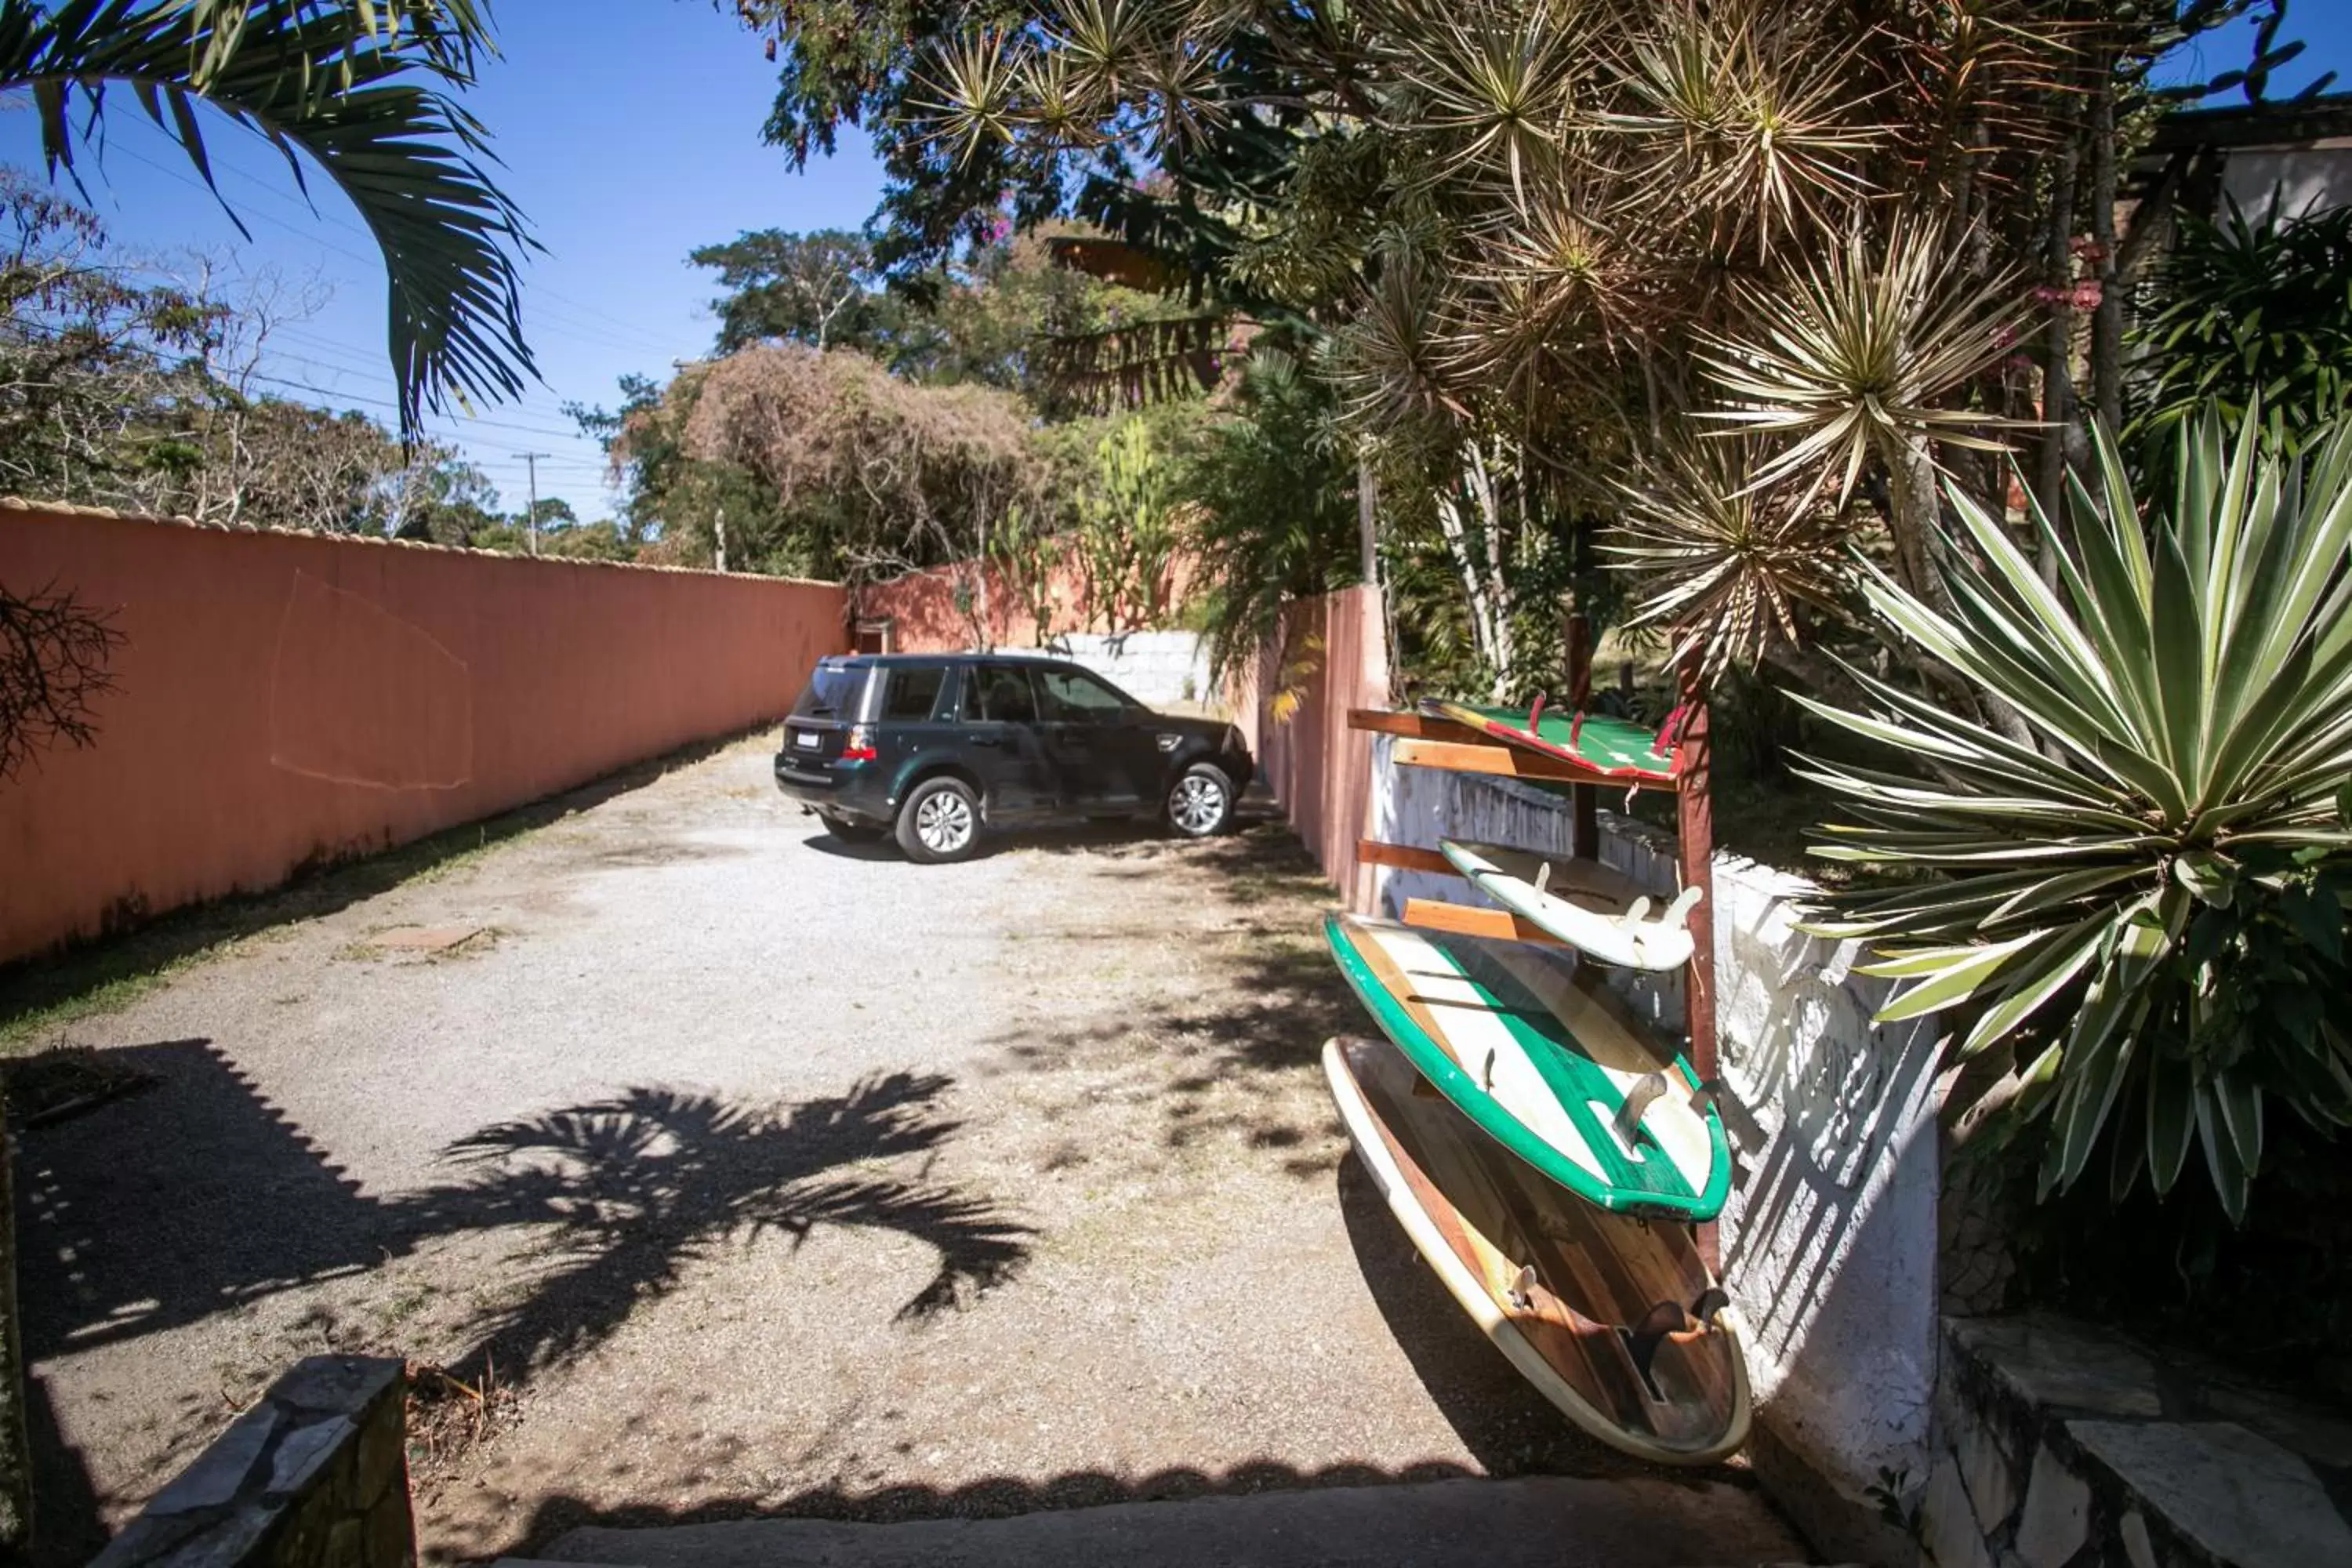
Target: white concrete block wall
<point x="1829" y="1240"/>
<point x="1154" y="668"/>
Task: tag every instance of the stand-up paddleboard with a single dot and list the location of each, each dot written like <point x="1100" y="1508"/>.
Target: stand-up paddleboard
<point x="1593" y="908"/>
<point x="1616" y="1320"/>
<point x="1547" y="1061"/>
<point x="1613" y="748"/>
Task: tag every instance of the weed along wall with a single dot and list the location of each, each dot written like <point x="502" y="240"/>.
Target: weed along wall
<point x="285" y="698"/>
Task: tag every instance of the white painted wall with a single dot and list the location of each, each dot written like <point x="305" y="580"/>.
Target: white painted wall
<point x="1829" y="1240"/>
<point x="2300" y="179"/>
<point x="1156" y="668"/>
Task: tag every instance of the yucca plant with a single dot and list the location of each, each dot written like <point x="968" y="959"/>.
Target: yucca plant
<point x="2147" y="905"/>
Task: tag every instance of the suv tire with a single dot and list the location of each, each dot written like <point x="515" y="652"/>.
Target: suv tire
<point x="851" y="832"/>
<point x="1200" y="803"/>
<point x="940" y="822"/>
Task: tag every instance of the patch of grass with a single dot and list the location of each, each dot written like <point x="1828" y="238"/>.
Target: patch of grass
<point x="40" y="995"/>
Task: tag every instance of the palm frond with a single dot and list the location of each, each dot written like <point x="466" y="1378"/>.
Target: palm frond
<point x="357" y="89"/>
<point x="1136" y="362"/>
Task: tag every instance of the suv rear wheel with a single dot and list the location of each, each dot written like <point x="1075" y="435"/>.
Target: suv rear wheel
<point x="940" y="822"/>
<point x="1200" y="802"/>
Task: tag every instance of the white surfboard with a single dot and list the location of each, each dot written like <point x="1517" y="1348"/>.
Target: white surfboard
<point x="1585" y="904"/>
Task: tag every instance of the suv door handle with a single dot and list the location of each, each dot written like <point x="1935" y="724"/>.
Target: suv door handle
<point x="988" y="740"/>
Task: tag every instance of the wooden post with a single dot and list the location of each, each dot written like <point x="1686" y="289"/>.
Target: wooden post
<point x="1584" y="800"/>
<point x="1694" y="837"/>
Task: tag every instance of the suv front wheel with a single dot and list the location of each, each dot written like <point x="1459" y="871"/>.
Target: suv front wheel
<point x="940" y="822"/>
<point x="1200" y="802"/>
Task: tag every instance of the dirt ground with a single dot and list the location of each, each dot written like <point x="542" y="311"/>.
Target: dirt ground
<point x="749" y="1172"/>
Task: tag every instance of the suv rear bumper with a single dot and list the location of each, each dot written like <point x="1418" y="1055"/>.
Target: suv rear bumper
<point x="853" y="790"/>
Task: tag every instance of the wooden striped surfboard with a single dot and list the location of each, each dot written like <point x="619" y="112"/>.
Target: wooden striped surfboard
<point x="1593" y="1308"/>
<point x="1547" y="1061"/>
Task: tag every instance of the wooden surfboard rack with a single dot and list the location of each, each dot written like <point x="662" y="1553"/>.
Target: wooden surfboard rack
<point x="1427" y="741"/>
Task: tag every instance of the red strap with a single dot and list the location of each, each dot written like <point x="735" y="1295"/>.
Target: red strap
<point x="1670" y="733"/>
<point x="1535" y="715"/>
<point x="1575" y="729"/>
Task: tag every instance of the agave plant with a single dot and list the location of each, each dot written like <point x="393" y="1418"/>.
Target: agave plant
<point x="2148" y="905"/>
<point x="350" y="88"/>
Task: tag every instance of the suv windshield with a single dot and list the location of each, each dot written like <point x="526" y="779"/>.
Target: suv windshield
<point x="831" y="693"/>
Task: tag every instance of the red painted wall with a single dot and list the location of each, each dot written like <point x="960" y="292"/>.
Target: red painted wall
<point x="288" y="698"/>
<point x="922" y="610"/>
<point x="1319" y="770"/>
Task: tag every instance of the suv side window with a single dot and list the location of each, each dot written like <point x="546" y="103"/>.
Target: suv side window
<point x="1076" y="697"/>
<point x="912" y="695"/>
<point x="999" y="693"/>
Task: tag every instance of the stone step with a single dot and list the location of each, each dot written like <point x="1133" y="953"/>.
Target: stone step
<point x="1543" y="1521"/>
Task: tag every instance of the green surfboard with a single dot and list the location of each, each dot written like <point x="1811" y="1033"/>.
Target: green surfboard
<point x="1613" y="748"/>
<point x="1544" y="1062"/>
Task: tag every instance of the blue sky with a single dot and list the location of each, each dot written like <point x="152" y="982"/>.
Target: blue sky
<point x="630" y="130"/>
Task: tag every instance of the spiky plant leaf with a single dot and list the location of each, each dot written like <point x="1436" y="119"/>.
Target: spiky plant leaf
<point x="1749" y="111"/>
<point x="1731" y="566"/>
<point x="2155" y="892"/>
<point x="1861" y="352"/>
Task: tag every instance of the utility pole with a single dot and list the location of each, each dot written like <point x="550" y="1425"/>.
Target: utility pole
<point x="530" y="460"/>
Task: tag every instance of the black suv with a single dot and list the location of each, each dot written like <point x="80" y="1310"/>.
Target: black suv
<point x="936" y="746"/>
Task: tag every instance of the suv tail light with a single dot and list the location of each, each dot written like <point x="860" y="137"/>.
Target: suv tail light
<point x="859" y="747"/>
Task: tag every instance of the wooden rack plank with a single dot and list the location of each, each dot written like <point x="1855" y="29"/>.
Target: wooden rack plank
<point x="1425" y="726"/>
<point x="1506" y="761"/>
<point x="1464" y="921"/>
<point x="1402" y="858"/>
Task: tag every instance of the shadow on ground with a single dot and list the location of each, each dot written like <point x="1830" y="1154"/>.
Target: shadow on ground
<point x="135" y="946"/>
<point x="998" y="1497"/>
<point x="1217" y="1058"/>
<point x="622" y="1196"/>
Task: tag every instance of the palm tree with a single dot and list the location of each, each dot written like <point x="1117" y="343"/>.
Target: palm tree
<point x="358" y="89"/>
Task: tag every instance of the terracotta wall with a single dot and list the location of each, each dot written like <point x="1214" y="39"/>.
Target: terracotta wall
<point x="1319" y="770"/>
<point x="922" y="610"/>
<point x="286" y="699"/>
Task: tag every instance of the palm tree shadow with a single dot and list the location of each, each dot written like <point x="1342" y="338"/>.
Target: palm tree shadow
<point x="639" y="1187"/>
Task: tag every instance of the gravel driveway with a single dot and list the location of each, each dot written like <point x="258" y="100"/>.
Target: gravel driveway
<point x="757" y="1173"/>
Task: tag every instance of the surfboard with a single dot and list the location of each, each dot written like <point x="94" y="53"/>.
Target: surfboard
<point x="1594" y="907"/>
<point x="1547" y="1061"/>
<point x="1616" y="1320"/>
<point x="1613" y="748"/>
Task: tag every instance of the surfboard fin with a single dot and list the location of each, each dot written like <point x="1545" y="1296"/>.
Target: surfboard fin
<point x="1543" y="875"/>
<point x="1679" y="910"/>
<point x="1643" y="1340"/>
<point x="1634" y="913"/>
<point x="1638" y="1099"/>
